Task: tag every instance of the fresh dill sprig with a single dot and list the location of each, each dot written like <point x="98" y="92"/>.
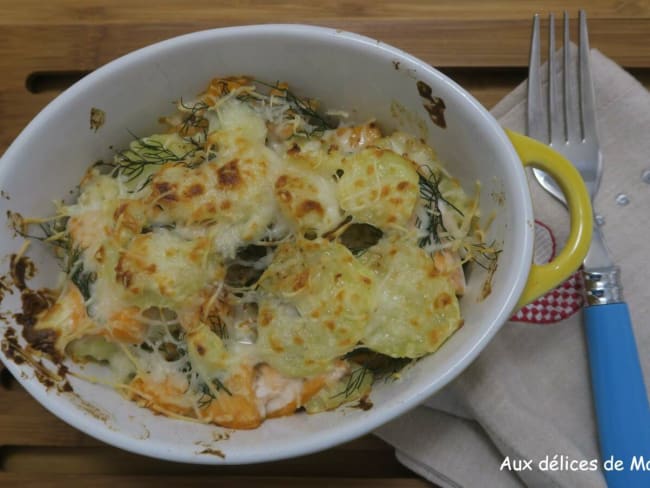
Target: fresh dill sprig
<point x="82" y="279"/>
<point x="206" y="392"/>
<point x="303" y="108"/>
<point x="432" y="196"/>
<point x="74" y="268"/>
<point x="55" y="234"/>
<point x="380" y="366"/>
<point x="355" y="381"/>
<point x="132" y="162"/>
<point x="146" y="151"/>
<point x="194" y="118"/>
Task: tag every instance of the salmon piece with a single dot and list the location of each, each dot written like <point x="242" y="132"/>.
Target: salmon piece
<point x="282" y="396"/>
<point x="222" y="86"/>
<point x="310" y="387"/>
<point x="126" y="326"/>
<point x="233" y="412"/>
<point x="237" y="407"/>
<point x="167" y="395"/>
<point x="449" y="264"/>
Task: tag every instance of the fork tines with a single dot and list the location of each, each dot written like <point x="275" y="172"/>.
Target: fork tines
<point x="574" y="119"/>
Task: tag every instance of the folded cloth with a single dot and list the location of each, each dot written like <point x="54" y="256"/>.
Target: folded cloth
<point x="527" y="396"/>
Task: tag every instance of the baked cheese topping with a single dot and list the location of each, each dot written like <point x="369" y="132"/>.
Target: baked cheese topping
<point x="257" y="257"/>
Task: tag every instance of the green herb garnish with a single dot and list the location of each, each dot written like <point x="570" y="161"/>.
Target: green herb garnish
<point x="432" y="196"/>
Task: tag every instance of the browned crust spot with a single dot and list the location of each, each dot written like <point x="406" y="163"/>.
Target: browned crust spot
<point x="275" y="345"/>
<point x="435" y="106"/>
<point x="308" y="206"/>
<point x="434" y="337"/>
<point x="120" y="210"/>
<point x="364" y="404"/>
<point x="301" y="280"/>
<point x="165" y="191"/>
<point x="123" y="276"/>
<point x="33" y="304"/>
<point x="229" y="176"/>
<point x="213" y="452"/>
<point x="97" y="118"/>
<point x="285" y="196"/>
<point x="195" y="189"/>
<point x="281" y="181"/>
<point x="100" y="254"/>
<point x="21" y="269"/>
<point x="39" y="341"/>
<point x="403" y="185"/>
<point x="442" y="300"/>
<point x="265" y="318"/>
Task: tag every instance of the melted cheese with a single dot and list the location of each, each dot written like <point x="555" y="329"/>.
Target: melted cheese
<point x="93" y="217"/>
<point x="162" y="269"/>
<point x="67" y="317"/>
<point x="379" y="187"/>
<point x="231" y="197"/>
<point x="308" y="201"/>
<point x="207" y="355"/>
<point x="155" y="244"/>
<point x="409" y="147"/>
<point x="352" y="139"/>
<point x="416" y="307"/>
<point x="316" y="303"/>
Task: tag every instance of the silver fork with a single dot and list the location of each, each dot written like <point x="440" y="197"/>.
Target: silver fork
<point x="620" y="398"/>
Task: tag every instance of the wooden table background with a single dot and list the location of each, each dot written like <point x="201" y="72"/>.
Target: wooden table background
<point x="47" y="45"/>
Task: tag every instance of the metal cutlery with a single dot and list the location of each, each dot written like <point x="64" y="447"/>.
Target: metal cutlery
<point x="619" y="393"/>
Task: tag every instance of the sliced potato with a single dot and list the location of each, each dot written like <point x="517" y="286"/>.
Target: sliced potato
<point x="416" y="307"/>
<point x="378" y="187"/>
<point x="317" y="300"/>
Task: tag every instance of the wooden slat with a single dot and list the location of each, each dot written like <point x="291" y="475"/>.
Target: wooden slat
<point x="496" y="43"/>
<point x="101" y="12"/>
<point x="134" y="481"/>
<point x="24" y="422"/>
<point x="28" y="435"/>
<point x="108" y="460"/>
<point x="488" y="85"/>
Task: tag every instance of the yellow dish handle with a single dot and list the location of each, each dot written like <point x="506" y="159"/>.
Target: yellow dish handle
<point x="543" y="278"/>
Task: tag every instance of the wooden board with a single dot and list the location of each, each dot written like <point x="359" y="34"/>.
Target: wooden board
<point x="46" y="46"/>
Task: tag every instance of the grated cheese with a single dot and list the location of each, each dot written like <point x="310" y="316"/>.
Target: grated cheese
<point x="206" y="266"/>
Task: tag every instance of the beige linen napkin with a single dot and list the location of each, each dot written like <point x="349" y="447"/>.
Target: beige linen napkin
<point x="527" y="396"/>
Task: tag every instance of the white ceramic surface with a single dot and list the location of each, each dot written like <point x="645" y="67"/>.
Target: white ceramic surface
<point x="343" y="71"/>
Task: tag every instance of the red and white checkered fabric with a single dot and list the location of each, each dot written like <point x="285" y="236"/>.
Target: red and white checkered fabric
<point x="560" y="303"/>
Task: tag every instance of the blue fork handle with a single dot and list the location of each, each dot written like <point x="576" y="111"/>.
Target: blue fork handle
<point x="621" y="401"/>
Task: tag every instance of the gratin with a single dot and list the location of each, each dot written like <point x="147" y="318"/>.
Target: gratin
<point x="259" y="257"/>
